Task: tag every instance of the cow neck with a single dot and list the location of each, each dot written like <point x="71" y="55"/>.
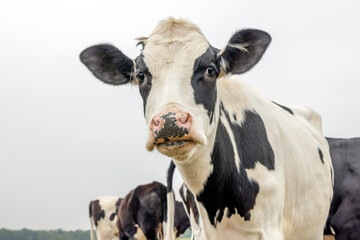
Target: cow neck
<point x="196" y="170"/>
<point x="228" y="186"/>
<point x="218" y="177"/>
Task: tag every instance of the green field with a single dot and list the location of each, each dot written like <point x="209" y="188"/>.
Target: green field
<point x="26" y="234"/>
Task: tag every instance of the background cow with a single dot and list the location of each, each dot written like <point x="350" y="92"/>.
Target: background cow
<point x="102" y="212"/>
<point x="251" y="165"/>
<point x="344" y="214"/>
<point x="143" y="212"/>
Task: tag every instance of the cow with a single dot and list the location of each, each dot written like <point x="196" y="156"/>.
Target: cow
<point x="344" y="214"/>
<point x="143" y="214"/>
<point x="255" y="169"/>
<point x="103" y="213"/>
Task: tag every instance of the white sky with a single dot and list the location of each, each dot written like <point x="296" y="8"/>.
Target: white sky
<point x="65" y="137"/>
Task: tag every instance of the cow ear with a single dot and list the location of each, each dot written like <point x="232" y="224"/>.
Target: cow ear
<point x="108" y="64"/>
<point x="244" y="50"/>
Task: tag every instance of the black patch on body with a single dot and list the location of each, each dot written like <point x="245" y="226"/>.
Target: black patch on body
<point x="112" y="216"/>
<point x="251" y="140"/>
<point x="205" y="87"/>
<point x="170" y="175"/>
<point x="321" y="155"/>
<point x="90" y="209"/>
<point x="96" y="211"/>
<point x="145" y="87"/>
<point x="170" y="129"/>
<point x="285" y="108"/>
<point x="227" y="187"/>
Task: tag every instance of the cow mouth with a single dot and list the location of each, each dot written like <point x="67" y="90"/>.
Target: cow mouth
<point x="175" y="148"/>
<point x="174" y="143"/>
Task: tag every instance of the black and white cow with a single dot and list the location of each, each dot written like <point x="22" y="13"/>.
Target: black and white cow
<point x="103" y="213"/>
<point x="256" y="170"/>
<point x="344" y="214"/>
<point x="143" y="214"/>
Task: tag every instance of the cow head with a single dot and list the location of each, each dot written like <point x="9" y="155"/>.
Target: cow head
<point x="176" y="73"/>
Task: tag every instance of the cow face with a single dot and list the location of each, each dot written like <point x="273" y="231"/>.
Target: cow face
<point x="176" y="73"/>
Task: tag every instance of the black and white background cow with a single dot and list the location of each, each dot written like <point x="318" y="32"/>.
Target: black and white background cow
<point x="103" y="213"/>
<point x="256" y="170"/>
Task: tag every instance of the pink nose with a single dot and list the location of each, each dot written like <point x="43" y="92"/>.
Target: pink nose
<point x="170" y="124"/>
<point x="181" y="119"/>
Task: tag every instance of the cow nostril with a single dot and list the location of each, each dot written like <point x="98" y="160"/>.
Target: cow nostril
<point x="183" y="118"/>
<point x="156" y="122"/>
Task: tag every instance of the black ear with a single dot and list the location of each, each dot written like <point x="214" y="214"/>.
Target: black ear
<point x="108" y="64"/>
<point x="244" y="50"/>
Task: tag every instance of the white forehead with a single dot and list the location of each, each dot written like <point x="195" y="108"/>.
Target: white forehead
<point x="173" y="43"/>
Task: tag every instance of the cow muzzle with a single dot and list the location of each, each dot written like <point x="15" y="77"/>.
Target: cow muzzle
<point x="171" y="129"/>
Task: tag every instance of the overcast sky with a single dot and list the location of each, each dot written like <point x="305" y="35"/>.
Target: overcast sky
<point x="65" y="137"/>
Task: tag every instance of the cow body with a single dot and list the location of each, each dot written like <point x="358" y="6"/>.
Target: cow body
<point x="103" y="213"/>
<point x="273" y="185"/>
<point x="255" y="169"/>
<point x="344" y="214"/>
<point x="142" y="213"/>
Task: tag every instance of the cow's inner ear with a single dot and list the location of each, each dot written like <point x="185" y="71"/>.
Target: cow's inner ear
<point x="108" y="64"/>
<point x="244" y="50"/>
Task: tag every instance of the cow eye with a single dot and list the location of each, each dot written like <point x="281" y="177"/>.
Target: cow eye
<point x="141" y="77"/>
<point x="210" y="71"/>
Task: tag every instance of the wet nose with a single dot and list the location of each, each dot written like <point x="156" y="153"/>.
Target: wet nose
<point x="170" y="123"/>
<point x="172" y="118"/>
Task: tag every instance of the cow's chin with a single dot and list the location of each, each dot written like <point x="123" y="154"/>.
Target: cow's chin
<point x="177" y="150"/>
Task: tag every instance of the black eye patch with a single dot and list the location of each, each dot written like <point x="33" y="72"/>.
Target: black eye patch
<point x="142" y="72"/>
<point x="140" y="64"/>
<point x="204" y="85"/>
<point x="209" y="58"/>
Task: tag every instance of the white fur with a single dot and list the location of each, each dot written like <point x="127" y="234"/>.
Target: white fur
<point x="169" y="233"/>
<point x="309" y="115"/>
<point x="170" y="54"/>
